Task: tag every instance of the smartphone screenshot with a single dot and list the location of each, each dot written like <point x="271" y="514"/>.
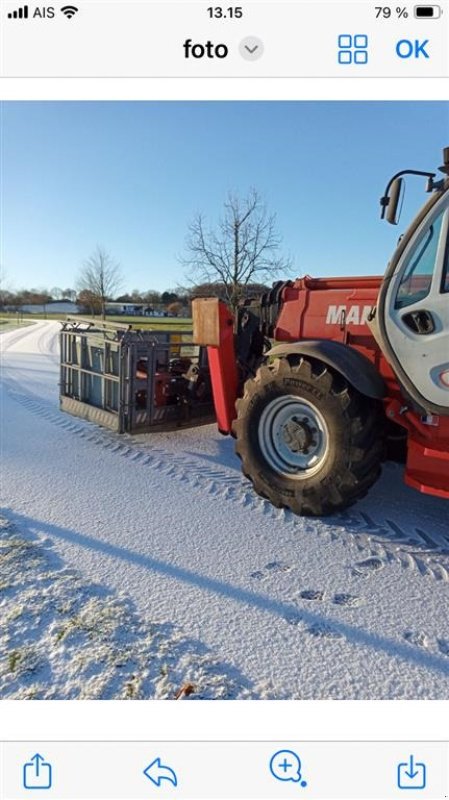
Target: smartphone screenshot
<point x="224" y="400"/>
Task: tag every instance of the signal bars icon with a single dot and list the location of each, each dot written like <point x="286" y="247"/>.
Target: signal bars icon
<point x="19" y="13"/>
<point x="22" y="13"/>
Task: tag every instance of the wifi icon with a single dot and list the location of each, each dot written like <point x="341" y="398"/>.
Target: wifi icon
<point x="69" y="11"/>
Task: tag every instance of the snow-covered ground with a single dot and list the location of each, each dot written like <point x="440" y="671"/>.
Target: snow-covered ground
<point x="146" y="567"/>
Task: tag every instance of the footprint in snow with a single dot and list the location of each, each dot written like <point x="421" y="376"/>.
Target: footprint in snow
<point x="272" y="568"/>
<point x="443" y="646"/>
<point x="368" y="566"/>
<point x="323" y="631"/>
<point x="348" y="600"/>
<point x="258" y="575"/>
<point x="312" y="594"/>
<point x="277" y="566"/>
<point x="341" y="599"/>
<point x="418" y="638"/>
<point x="293" y="618"/>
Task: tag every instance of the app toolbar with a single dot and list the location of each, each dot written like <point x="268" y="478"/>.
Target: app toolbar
<point x="224" y="770"/>
<point x="257" y="39"/>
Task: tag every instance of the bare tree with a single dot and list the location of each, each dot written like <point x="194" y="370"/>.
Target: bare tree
<point x="89" y="302"/>
<point x="5" y="293"/>
<point x="175" y="308"/>
<point x="101" y="276"/>
<point x="243" y="248"/>
<point x="152" y="297"/>
<point x="69" y="294"/>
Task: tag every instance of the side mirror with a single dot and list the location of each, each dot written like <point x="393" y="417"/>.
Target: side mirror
<point x="393" y="202"/>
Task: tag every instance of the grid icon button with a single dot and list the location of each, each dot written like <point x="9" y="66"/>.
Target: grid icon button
<point x="353" y="49"/>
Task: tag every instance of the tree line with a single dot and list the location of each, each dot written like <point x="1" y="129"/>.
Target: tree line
<point x="173" y="301"/>
<point x="234" y="258"/>
<point x="91" y="303"/>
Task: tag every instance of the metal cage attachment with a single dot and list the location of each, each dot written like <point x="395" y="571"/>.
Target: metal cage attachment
<point x="133" y="380"/>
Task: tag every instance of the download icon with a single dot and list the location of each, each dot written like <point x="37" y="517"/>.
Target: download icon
<point x="411" y="774"/>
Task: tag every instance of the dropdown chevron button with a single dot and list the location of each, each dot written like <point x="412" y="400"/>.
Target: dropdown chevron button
<point x="251" y="48"/>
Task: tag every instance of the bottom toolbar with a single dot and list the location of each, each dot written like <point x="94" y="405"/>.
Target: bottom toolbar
<point x="224" y="770"/>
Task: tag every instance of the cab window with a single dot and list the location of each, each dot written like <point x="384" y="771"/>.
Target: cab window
<point x="418" y="273"/>
<point x="445" y="282"/>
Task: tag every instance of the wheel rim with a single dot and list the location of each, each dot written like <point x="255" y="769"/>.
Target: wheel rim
<point x="293" y="437"/>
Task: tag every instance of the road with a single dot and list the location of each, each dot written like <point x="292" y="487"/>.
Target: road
<point x="268" y="605"/>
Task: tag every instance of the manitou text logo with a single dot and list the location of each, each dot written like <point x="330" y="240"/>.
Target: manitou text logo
<point x="342" y="315"/>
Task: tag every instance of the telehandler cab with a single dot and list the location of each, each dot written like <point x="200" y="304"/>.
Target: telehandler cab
<point x="321" y="380"/>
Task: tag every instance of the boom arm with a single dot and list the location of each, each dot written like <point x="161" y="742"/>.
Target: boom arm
<point x="213" y="326"/>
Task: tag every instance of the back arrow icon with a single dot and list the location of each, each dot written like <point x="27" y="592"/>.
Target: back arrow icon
<point x="158" y="772"/>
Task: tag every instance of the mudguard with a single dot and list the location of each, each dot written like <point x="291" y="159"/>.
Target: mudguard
<point x="354" y="366"/>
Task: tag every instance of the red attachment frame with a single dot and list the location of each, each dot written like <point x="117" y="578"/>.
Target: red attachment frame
<point x="223" y="371"/>
<point x="427" y="468"/>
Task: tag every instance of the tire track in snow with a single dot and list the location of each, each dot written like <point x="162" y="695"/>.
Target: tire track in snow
<point x="17" y="374"/>
<point x="11" y="338"/>
<point x="47" y="342"/>
<point x="424" y="551"/>
<point x="48" y="345"/>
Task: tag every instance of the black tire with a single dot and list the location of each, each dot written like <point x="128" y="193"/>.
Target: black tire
<point x="396" y="443"/>
<point x="348" y="446"/>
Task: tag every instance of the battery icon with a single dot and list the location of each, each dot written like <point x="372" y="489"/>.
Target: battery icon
<point x="427" y="12"/>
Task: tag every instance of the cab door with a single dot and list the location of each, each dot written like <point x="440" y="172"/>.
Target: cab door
<point x="414" y="312"/>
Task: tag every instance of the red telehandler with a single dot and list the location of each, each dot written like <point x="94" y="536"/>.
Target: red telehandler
<point x="321" y="380"/>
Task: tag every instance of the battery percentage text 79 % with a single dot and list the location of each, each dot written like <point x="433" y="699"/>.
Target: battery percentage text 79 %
<point x="385" y="12"/>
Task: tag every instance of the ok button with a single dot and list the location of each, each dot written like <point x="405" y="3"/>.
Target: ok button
<point x="413" y="49"/>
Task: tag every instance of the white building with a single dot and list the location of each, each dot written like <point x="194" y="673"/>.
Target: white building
<point x="53" y="307"/>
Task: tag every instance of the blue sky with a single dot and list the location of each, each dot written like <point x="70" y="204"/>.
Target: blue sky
<point x="130" y="176"/>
